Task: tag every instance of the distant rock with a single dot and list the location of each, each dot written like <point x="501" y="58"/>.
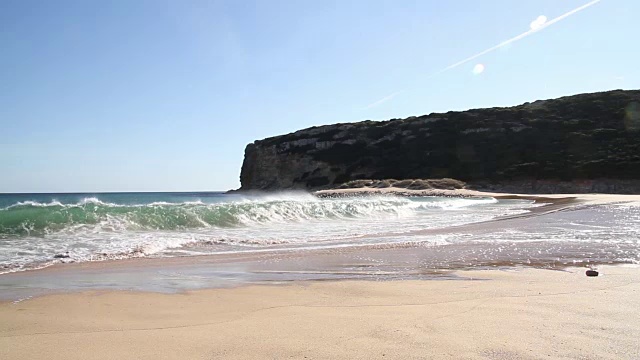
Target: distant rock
<point x="62" y="256"/>
<point x="581" y="143"/>
<point x="592" y="272"/>
<point x="411" y="184"/>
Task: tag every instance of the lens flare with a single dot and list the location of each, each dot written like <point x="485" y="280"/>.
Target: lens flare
<point x="478" y="69"/>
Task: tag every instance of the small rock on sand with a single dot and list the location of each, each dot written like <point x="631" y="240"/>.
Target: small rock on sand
<point x="592" y="272"/>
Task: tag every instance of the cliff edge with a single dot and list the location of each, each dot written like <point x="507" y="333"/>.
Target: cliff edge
<point x="570" y="139"/>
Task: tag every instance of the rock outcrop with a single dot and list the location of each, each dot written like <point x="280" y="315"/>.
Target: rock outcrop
<point x="573" y="139"/>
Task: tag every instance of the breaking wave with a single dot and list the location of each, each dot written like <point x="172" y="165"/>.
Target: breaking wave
<point x="38" y="219"/>
<point x="69" y="228"/>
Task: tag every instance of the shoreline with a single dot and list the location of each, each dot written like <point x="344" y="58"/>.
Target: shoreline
<point x="292" y="264"/>
<point x="550" y="204"/>
<point x="554" y="204"/>
<point x="494" y="314"/>
<point x="590" y="198"/>
<point x="356" y="303"/>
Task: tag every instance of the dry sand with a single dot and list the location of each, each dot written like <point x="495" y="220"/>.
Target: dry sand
<point x="524" y="314"/>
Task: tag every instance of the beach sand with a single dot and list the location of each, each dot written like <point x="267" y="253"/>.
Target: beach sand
<point x="518" y="313"/>
<point x="515" y="314"/>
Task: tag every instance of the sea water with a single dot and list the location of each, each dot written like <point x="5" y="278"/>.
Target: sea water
<point x="37" y="230"/>
<point x="40" y="229"/>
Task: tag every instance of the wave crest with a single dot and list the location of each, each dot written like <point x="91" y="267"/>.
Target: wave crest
<point x="33" y="218"/>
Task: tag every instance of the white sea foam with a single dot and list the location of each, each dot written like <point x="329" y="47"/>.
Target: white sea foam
<point x="280" y="221"/>
<point x="56" y="203"/>
<point x="34" y="204"/>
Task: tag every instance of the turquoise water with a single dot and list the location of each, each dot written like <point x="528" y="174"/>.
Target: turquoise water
<point x="40" y="229"/>
<point x="37" y="230"/>
<point x="41" y="214"/>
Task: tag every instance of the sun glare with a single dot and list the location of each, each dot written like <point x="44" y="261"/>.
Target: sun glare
<point x="478" y="69"/>
<point x="538" y="22"/>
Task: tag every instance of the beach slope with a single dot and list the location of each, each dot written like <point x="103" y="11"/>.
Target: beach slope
<point x="515" y="314"/>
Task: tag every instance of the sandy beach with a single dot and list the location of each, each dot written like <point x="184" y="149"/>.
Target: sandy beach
<point x="512" y="312"/>
<point x="516" y="314"/>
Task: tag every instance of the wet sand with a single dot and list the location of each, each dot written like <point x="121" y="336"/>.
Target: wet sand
<point x="516" y="314"/>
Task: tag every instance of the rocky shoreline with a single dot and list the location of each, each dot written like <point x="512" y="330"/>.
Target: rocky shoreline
<point x="600" y="186"/>
<point x="449" y="187"/>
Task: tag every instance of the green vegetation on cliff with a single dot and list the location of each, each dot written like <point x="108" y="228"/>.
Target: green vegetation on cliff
<point x="585" y="136"/>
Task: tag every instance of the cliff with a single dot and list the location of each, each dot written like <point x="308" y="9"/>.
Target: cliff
<point x="572" y="139"/>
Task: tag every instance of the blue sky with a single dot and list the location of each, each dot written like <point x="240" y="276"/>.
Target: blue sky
<point x="132" y="95"/>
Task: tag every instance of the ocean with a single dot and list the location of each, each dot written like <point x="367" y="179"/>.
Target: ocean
<point x="39" y="230"/>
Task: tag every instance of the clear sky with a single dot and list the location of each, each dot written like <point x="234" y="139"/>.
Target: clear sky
<point x="133" y="95"/>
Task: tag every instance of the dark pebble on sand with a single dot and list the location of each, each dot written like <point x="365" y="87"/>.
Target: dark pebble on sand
<point x="592" y="273"/>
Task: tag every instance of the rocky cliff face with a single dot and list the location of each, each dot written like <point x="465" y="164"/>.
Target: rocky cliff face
<point x="574" y="138"/>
